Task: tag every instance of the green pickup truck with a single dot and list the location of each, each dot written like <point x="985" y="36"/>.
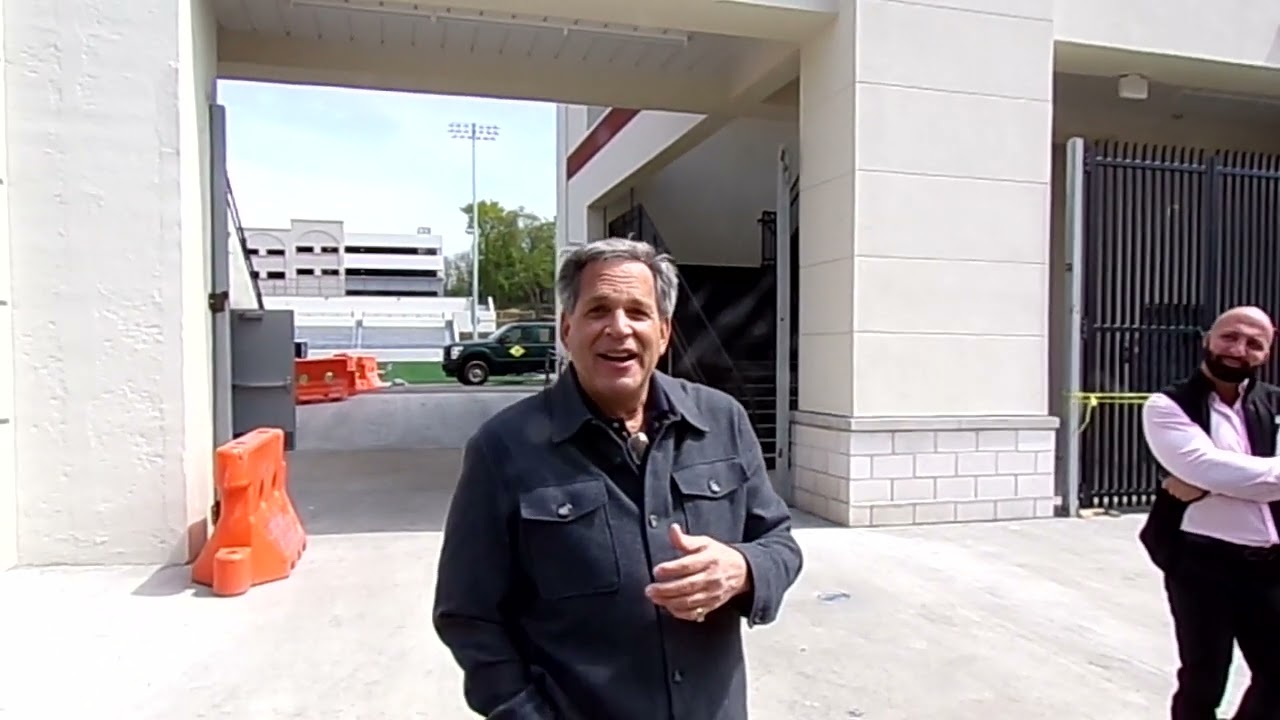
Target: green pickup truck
<point x="519" y="348"/>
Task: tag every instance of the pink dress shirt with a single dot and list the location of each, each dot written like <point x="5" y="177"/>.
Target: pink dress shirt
<point x="1239" y="484"/>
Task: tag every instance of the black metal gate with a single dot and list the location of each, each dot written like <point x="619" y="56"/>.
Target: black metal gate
<point x="1172" y="237"/>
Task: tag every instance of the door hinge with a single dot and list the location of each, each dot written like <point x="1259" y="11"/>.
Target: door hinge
<point x="218" y="301"/>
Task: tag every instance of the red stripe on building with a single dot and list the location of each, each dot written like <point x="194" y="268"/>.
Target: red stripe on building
<point x="607" y="129"/>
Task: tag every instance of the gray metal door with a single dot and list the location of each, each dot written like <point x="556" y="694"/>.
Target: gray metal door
<point x="220" y="289"/>
<point x="262" y="372"/>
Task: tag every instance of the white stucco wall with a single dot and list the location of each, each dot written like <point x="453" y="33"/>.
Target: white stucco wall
<point x="108" y="203"/>
<point x="8" y="479"/>
<point x="197" y="82"/>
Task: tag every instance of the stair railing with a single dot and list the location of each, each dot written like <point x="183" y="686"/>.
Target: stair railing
<point x="244" y="243"/>
<point x="641" y="226"/>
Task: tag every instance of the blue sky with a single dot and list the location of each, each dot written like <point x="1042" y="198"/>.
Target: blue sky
<point x="381" y="161"/>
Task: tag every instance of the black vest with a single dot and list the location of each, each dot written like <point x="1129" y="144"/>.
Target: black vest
<point x="1162" y="533"/>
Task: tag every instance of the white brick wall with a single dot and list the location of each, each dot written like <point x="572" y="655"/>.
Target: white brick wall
<point x="905" y="476"/>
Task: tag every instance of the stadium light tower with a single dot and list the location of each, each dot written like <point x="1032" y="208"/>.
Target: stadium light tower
<point x="474" y="133"/>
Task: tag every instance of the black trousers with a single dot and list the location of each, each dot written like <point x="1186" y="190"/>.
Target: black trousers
<point x="1222" y="595"/>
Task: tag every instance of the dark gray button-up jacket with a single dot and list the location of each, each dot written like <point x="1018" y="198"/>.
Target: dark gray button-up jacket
<point x="540" y="590"/>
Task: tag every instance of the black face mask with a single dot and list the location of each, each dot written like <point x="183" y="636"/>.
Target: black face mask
<point x="1227" y="373"/>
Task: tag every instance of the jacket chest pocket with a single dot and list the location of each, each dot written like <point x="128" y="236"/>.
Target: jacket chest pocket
<point x="568" y="544"/>
<point x="712" y="498"/>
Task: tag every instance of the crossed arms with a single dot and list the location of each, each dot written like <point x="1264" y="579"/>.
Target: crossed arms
<point x="1190" y="456"/>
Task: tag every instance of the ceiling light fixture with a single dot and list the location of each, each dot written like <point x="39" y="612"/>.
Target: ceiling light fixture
<point x="1133" y="87"/>
<point x="417" y="10"/>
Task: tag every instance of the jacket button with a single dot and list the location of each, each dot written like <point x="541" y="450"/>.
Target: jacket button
<point x="677" y="677"/>
<point x="713" y="486"/>
<point x="564" y="510"/>
<point x="653" y="521"/>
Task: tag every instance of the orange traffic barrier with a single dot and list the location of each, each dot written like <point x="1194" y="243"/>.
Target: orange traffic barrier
<point x="368" y="378"/>
<point x="232" y="571"/>
<point x="323" y="379"/>
<point x="258" y="537"/>
<point x="364" y="371"/>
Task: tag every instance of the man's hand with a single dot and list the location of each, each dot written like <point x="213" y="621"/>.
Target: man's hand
<point x="709" y="575"/>
<point x="1182" y="490"/>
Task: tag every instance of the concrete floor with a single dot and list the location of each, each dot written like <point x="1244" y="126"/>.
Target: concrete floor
<point x="1058" y="619"/>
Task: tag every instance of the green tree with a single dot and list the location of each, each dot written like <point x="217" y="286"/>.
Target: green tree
<point x="517" y="258"/>
<point x="457" y="274"/>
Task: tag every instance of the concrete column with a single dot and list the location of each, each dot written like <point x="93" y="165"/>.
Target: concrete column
<point x="564" y="231"/>
<point x="594" y="223"/>
<point x="107" y="143"/>
<point x="924" y="172"/>
<point x="8" y="480"/>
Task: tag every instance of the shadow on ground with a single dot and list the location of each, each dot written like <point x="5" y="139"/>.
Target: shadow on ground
<point x="801" y="520"/>
<point x="171" y="580"/>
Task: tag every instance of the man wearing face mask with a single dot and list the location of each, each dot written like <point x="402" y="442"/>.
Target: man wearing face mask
<point x="1213" y="528"/>
<point x="610" y="535"/>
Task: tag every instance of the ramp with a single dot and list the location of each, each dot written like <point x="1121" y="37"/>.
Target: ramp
<point x="401" y="420"/>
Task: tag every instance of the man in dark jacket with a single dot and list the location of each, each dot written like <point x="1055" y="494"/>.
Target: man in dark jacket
<point x="1213" y="527"/>
<point x="609" y="535"/>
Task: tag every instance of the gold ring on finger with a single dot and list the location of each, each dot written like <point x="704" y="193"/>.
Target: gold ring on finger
<point x="700" y="614"/>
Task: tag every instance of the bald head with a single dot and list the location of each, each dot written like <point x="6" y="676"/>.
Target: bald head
<point x="1238" y="344"/>
<point x="1248" y="315"/>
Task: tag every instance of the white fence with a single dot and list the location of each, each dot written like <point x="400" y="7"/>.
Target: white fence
<point x="385" y="311"/>
<point x="389" y="336"/>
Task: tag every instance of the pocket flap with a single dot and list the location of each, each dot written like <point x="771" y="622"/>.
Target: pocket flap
<point x="714" y="479"/>
<point x="562" y="503"/>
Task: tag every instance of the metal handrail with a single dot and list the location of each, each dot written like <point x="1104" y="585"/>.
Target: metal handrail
<point x="244" y="242"/>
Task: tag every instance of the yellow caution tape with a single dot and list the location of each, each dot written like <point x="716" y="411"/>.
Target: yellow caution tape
<point x="1091" y="400"/>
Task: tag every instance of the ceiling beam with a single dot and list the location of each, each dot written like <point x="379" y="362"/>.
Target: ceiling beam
<point x="759" y="77"/>
<point x="791" y="20"/>
<point x="251" y="56"/>
<point x="701" y="129"/>
<point x="763" y="73"/>
<point x="1083" y="59"/>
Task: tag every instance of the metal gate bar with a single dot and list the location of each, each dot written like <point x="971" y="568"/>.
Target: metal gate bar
<point x="1173" y="235"/>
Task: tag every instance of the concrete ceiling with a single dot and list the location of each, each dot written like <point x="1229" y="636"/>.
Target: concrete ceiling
<point x="1172" y="115"/>
<point x="1190" y="72"/>
<point x="286" y="41"/>
<point x="1168" y="100"/>
<point x="790" y="20"/>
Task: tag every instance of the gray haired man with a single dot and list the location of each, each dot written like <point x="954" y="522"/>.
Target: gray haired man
<point x="609" y="535"/>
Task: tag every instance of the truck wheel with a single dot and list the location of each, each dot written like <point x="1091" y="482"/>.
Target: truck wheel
<point x="475" y="372"/>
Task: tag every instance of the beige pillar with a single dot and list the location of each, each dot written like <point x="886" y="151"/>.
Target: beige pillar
<point x="108" y="197"/>
<point x="924" y="174"/>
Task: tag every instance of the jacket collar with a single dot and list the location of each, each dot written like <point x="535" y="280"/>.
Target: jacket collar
<point x="570" y="409"/>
